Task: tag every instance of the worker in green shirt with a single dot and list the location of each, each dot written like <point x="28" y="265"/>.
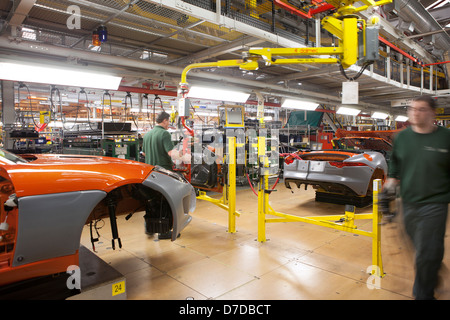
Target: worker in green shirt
<point x="420" y="164"/>
<point x="157" y="144"/>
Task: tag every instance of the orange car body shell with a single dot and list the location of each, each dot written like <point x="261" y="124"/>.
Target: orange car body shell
<point x="37" y="269"/>
<point x="53" y="173"/>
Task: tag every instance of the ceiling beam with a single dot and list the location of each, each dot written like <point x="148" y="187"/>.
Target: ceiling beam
<point x="119" y="41"/>
<point x="224" y="21"/>
<point x="17" y="16"/>
<point x="21" y="12"/>
<point x="143" y="20"/>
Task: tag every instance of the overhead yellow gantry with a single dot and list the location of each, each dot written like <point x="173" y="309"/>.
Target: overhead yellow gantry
<point x="344" y="24"/>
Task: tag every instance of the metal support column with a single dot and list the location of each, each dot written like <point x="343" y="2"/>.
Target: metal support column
<point x="8" y="113"/>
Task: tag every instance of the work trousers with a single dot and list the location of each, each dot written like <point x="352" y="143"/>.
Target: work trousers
<point x="425" y="224"/>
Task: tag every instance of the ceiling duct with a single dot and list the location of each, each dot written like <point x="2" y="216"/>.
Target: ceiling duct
<point x="414" y="12"/>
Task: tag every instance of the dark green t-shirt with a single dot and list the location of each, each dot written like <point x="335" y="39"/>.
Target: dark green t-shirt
<point x="422" y="163"/>
<point x="156" y="145"/>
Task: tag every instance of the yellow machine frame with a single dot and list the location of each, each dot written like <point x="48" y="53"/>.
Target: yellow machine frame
<point x="344" y="25"/>
<point x="228" y="124"/>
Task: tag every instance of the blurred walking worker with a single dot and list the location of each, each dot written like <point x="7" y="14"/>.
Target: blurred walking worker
<point x="420" y="164"/>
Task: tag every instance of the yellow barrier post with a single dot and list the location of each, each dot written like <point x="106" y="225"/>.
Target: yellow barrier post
<point x="263" y="201"/>
<point x="231" y="185"/>
<point x="377" y="263"/>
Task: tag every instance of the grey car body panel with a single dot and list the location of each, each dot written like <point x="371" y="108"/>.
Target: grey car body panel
<point x="50" y="225"/>
<point x="355" y="178"/>
<point x="179" y="195"/>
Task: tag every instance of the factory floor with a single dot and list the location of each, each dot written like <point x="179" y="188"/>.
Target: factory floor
<point x="298" y="260"/>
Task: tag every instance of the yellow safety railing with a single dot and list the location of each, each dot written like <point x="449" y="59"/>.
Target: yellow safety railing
<point x="344" y="222"/>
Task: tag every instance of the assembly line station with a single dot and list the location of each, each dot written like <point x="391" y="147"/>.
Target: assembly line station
<point x="252" y="88"/>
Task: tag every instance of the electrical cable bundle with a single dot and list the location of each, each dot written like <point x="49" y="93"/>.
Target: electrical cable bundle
<point x="131" y="108"/>
<point x="20" y="116"/>
<point x="360" y="72"/>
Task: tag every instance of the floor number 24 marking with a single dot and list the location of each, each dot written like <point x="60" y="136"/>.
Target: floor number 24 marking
<point x="118" y="288"/>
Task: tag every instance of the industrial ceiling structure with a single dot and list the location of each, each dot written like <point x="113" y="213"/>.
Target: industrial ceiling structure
<point x="149" y="43"/>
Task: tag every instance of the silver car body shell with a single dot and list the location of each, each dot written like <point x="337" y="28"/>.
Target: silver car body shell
<point x="321" y="173"/>
<point x="180" y="196"/>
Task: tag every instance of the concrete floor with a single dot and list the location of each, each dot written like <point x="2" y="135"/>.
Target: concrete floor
<point x="299" y="260"/>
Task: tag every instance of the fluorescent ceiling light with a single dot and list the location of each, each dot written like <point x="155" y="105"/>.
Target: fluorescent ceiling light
<point x="217" y="94"/>
<point x="299" y="104"/>
<point x="57" y="76"/>
<point x="401" y="118"/>
<point x="348" y="111"/>
<point x="380" y="115"/>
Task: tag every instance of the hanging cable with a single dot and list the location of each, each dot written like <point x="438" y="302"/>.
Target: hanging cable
<point x="82" y="91"/>
<point x="17" y="113"/>
<point x="87" y="108"/>
<point x="53" y="90"/>
<point x="106" y="93"/>
<point x="52" y="105"/>
<point x="360" y="72"/>
<point x="202" y="120"/>
<point x="20" y="117"/>
<point x="125" y="108"/>
<point x="131" y="108"/>
<point x="154" y="107"/>
<point x="76" y="116"/>
<point x="145" y="96"/>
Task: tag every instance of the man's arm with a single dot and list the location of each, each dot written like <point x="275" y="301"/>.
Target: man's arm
<point x="172" y="151"/>
<point x="177" y="155"/>
<point x="390" y="184"/>
<point x="393" y="171"/>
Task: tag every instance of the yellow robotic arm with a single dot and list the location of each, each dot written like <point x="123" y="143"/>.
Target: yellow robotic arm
<point x="357" y="40"/>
